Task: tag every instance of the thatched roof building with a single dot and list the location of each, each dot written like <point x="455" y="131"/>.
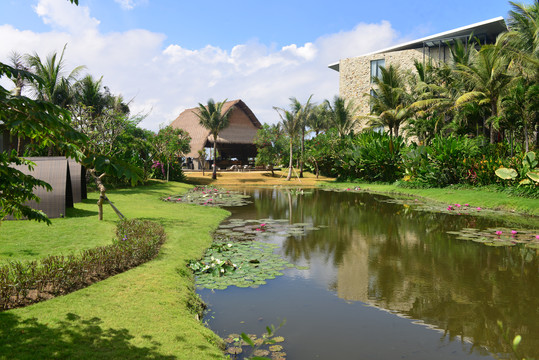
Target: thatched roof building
<point x="236" y="141"/>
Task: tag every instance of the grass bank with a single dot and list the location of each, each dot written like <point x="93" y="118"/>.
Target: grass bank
<point x="509" y="206"/>
<point x="145" y="313"/>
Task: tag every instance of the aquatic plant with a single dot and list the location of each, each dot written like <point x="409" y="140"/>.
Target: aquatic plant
<point x="210" y="196"/>
<point x="497" y="237"/>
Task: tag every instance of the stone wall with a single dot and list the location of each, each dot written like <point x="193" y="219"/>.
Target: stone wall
<point x="355" y="73"/>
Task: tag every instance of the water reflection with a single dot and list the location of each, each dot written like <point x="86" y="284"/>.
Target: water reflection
<point x="391" y="257"/>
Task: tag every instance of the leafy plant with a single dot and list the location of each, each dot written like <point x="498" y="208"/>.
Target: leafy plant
<point x="528" y="169"/>
<point x="249" y="346"/>
<point x="23" y="283"/>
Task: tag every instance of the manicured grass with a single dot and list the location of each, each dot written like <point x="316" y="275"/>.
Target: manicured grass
<point x="476" y="197"/>
<point x="146" y="312"/>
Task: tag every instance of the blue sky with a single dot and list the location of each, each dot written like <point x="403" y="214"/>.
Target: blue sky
<point x="169" y="55"/>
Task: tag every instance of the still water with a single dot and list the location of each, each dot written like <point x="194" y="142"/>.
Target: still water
<point x="384" y="282"/>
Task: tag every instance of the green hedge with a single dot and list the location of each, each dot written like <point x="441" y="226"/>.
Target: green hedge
<point x="24" y="283"/>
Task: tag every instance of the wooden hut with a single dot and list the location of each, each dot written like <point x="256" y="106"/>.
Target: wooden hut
<point x="234" y="142"/>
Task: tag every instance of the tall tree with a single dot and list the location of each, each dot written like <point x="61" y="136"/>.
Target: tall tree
<point x="270" y="144"/>
<point x="303" y="112"/>
<point x="291" y="124"/>
<point x="489" y="79"/>
<point x="55" y="87"/>
<point x="213" y="118"/>
<point x="45" y="124"/>
<point x="341" y="115"/>
<point x="389" y="100"/>
<point x="170" y="144"/>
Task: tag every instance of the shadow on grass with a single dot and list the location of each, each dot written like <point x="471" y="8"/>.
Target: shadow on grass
<point x="73" y="338"/>
<point x="79" y="213"/>
<point x="199" y="181"/>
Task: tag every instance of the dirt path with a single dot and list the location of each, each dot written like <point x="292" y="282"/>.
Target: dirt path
<point x="254" y="178"/>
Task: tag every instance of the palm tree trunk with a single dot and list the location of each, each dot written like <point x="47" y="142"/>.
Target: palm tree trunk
<point x="290" y="162"/>
<point x="214" y="175"/>
<point x="492" y="130"/>
<point x="302" y="151"/>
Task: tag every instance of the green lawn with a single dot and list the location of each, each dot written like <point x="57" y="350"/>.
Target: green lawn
<point x="143" y="313"/>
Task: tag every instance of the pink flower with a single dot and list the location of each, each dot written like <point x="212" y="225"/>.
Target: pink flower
<point x="203" y="192"/>
<point x="179" y="199"/>
<point x="168" y="198"/>
<point x="348" y="189"/>
<point x="513" y="232"/>
<point x="457" y="205"/>
<point x="466" y="204"/>
<point x="450" y="208"/>
<point x="258" y="229"/>
<point x="478" y="209"/>
<point x="537" y="237"/>
<point x="210" y="200"/>
<point x="262" y="225"/>
<point x="498" y="232"/>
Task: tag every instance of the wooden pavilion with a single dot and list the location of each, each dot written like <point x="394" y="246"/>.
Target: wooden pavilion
<point x="234" y="144"/>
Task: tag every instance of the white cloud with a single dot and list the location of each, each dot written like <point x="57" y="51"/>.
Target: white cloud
<point x="130" y="4"/>
<point x="168" y="79"/>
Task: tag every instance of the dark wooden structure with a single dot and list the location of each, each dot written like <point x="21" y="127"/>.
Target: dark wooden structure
<point x="67" y="179"/>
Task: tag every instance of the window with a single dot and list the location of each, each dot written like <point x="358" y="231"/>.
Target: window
<point x="375" y="68"/>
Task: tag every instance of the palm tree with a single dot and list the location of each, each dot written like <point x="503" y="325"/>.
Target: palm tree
<point x="88" y="92"/>
<point x="389" y="100"/>
<point x="213" y="118"/>
<point x="341" y="115"/>
<point x="488" y="79"/>
<point x="54" y="88"/>
<point x="303" y="113"/>
<point x="523" y="37"/>
<point x="291" y="124"/>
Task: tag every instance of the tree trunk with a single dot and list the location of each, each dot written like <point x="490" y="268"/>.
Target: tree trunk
<point x="492" y="130"/>
<point x="214" y="175"/>
<point x="102" y="190"/>
<point x="168" y="168"/>
<point x="290" y="162"/>
<point x="302" y="152"/>
<point x="526" y="140"/>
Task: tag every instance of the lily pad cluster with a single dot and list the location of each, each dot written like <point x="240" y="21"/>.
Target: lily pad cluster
<point x="210" y="196"/>
<point x="242" y="264"/>
<point x="235" y="258"/>
<point x="500" y="236"/>
<point x="246" y="345"/>
<point x="246" y="230"/>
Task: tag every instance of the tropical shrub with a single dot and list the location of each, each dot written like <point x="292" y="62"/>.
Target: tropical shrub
<point x="441" y="163"/>
<point x="376" y="157"/>
<point x="23" y="283"/>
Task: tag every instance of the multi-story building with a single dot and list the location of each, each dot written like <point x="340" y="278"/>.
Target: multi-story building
<point x="355" y="74"/>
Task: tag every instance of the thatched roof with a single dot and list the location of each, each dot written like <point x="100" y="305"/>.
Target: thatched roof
<point x="242" y="129"/>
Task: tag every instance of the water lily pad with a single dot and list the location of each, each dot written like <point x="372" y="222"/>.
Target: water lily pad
<point x="498" y="236"/>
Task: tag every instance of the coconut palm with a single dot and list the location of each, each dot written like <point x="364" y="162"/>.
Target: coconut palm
<point x="213" y="118"/>
<point x="303" y="112"/>
<point x="389" y="100"/>
<point x="488" y="79"/>
<point x="291" y="124"/>
<point x="523" y="37"/>
<point x="55" y="87"/>
<point x="341" y="115"/>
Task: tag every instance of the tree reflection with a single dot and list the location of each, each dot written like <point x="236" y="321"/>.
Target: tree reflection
<point x="402" y="260"/>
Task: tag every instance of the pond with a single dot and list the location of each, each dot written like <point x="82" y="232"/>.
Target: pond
<point x="383" y="281"/>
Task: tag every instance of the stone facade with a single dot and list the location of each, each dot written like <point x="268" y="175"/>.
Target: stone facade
<point x="355" y="73"/>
